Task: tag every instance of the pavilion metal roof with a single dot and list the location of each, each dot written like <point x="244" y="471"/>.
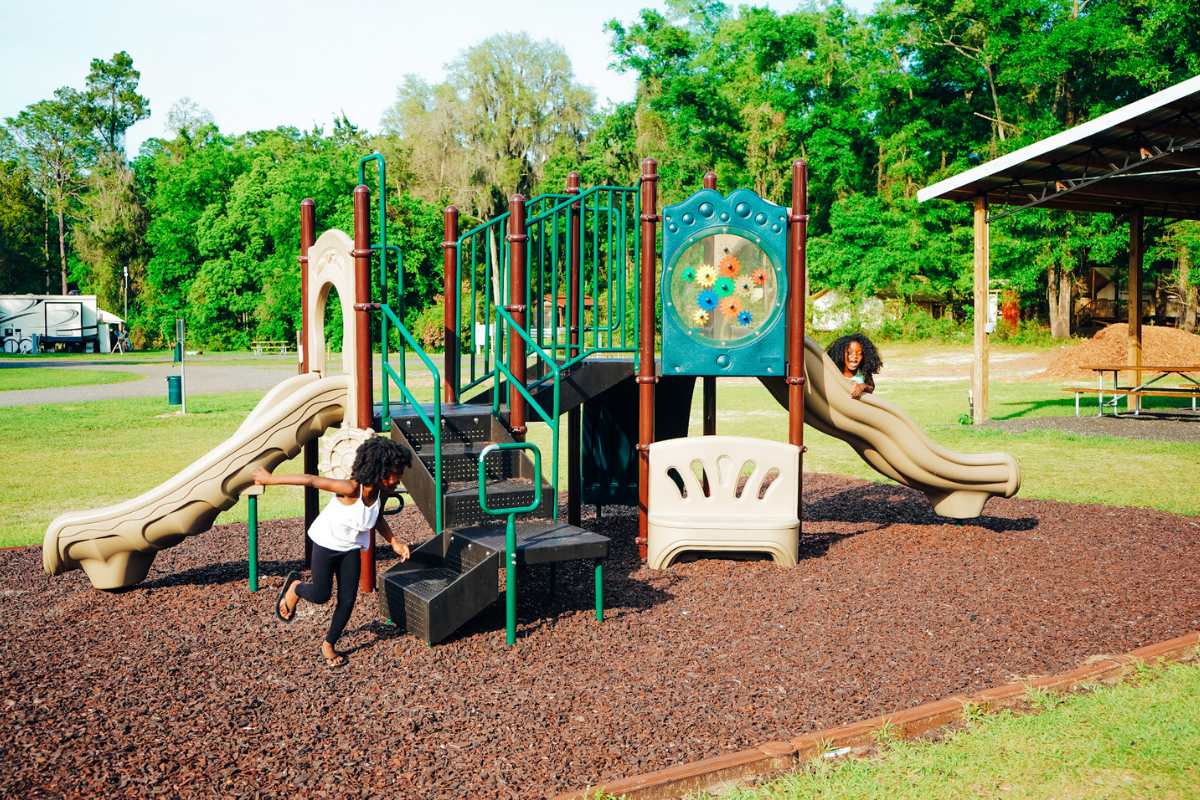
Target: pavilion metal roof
<point x="1144" y="155"/>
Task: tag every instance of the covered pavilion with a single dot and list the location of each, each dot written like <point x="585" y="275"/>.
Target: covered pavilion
<point x="1142" y="160"/>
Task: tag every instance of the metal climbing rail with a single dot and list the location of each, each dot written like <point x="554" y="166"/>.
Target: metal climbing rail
<point x="601" y="296"/>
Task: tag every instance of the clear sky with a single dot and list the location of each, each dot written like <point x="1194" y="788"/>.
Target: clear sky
<point x="258" y="64"/>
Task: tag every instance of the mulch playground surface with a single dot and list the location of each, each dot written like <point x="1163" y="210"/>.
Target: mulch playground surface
<point x="187" y="686"/>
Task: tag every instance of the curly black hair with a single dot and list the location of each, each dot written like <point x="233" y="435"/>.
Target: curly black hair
<point x="377" y="458"/>
<point x="871" y="364"/>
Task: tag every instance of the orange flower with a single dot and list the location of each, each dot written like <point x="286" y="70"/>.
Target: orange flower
<point x="729" y="266"/>
<point x="731" y="306"/>
<point x="760" y="276"/>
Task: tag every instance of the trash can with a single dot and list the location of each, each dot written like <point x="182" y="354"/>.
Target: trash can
<point x="174" y="390"/>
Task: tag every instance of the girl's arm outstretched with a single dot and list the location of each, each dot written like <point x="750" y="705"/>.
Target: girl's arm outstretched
<point x="263" y="477"/>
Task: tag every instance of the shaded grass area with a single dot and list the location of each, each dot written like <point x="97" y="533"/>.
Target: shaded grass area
<point x="1136" y="739"/>
<point x="13" y="379"/>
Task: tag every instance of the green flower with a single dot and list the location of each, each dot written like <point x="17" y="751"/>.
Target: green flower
<point x="688" y="275"/>
<point x="724" y="286"/>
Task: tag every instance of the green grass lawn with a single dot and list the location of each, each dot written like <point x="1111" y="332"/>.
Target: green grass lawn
<point x="1138" y="739"/>
<point x="14" y="378"/>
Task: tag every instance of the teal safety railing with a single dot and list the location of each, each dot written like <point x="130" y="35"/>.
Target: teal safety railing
<point x="510" y="530"/>
<point x="607" y="295"/>
<point x="432" y="423"/>
<point x="548" y="417"/>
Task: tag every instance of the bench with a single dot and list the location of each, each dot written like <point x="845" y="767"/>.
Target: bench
<point x="259" y="347"/>
<point x="723" y="493"/>
<point x="1181" y="391"/>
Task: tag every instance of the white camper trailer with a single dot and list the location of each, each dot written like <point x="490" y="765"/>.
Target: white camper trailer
<point x="33" y="323"/>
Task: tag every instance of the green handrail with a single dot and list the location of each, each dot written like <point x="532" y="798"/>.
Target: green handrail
<point x="510" y="530"/>
<point x="605" y="238"/>
<point x="434" y="427"/>
<point x="551" y="420"/>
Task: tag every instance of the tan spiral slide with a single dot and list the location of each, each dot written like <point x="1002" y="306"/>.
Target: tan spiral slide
<point x="116" y="545"/>
<point x="957" y="484"/>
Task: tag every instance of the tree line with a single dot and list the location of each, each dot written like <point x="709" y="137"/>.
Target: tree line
<point x="879" y="105"/>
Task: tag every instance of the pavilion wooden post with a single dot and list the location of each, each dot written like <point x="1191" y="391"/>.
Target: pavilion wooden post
<point x="979" y="366"/>
<point x="1136" y="230"/>
<point x="646" y="377"/>
<point x="308" y="236"/>
<point x="574" y="348"/>
<point x="364" y="402"/>
<point x="709" y="382"/>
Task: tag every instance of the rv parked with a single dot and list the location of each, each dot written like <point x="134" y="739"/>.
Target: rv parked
<point x="36" y="323"/>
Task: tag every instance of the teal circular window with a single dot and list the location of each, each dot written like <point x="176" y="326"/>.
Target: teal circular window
<point x="723" y="289"/>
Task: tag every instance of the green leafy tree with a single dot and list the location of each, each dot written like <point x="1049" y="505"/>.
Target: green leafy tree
<point x="22" y="257"/>
<point x="508" y="105"/>
<point x="113" y="100"/>
<point x="54" y="145"/>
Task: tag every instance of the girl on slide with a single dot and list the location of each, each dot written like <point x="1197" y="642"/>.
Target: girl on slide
<point x="340" y="532"/>
<point x="855" y="355"/>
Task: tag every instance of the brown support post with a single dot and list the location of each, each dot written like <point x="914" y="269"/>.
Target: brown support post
<point x="1137" y="222"/>
<point x="516" y="307"/>
<point x="979" y="366"/>
<point x="575" y="415"/>
<point x="364" y="410"/>
<point x="709" y="382"/>
<point x="450" y="293"/>
<point x="797" y="292"/>
<point x="312" y="496"/>
<point x="646" y="330"/>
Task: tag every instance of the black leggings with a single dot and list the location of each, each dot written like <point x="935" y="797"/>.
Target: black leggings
<point x="325" y="564"/>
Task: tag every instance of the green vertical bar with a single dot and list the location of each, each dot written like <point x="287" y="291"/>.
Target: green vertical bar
<point x="510" y="578"/>
<point x="600" y="590"/>
<point x="253" y="543"/>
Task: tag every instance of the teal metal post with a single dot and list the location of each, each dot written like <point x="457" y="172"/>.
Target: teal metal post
<point x="253" y="513"/>
<point x="600" y="590"/>
<point x="510" y="531"/>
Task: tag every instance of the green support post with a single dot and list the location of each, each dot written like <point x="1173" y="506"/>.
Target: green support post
<point x="251" y="494"/>
<point x="510" y="531"/>
<point x="600" y="590"/>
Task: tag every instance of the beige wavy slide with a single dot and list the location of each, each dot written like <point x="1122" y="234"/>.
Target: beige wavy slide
<point x="957" y="484"/>
<point x="116" y="545"/>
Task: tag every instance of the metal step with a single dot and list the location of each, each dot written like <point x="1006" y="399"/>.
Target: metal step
<point x="451" y="578"/>
<point x="441" y="587"/>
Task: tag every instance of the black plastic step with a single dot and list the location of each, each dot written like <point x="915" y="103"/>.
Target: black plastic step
<point x="451" y="578"/>
<point x="460" y="507"/>
<point x="441" y="587"/>
<point x="460" y="462"/>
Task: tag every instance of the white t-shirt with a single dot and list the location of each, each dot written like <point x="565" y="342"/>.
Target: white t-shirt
<point x="343" y="527"/>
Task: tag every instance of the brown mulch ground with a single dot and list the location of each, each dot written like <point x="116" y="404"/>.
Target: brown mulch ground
<point x="187" y="686"/>
<point x="1160" y="347"/>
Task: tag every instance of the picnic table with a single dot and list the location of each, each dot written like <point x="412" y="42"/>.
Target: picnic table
<point x="260" y="346"/>
<point x="1148" y="388"/>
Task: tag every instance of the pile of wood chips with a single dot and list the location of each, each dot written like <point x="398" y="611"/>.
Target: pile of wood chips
<point x="1160" y="347"/>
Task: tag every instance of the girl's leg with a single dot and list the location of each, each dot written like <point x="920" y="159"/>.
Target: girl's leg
<point x="347" y="581"/>
<point x="324" y="563"/>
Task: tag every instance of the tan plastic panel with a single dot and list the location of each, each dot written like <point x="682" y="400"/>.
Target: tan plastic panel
<point x="957" y="484"/>
<point x="730" y="516"/>
<point x="115" y="546"/>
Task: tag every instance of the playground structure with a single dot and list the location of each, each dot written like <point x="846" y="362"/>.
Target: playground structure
<point x="594" y="255"/>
